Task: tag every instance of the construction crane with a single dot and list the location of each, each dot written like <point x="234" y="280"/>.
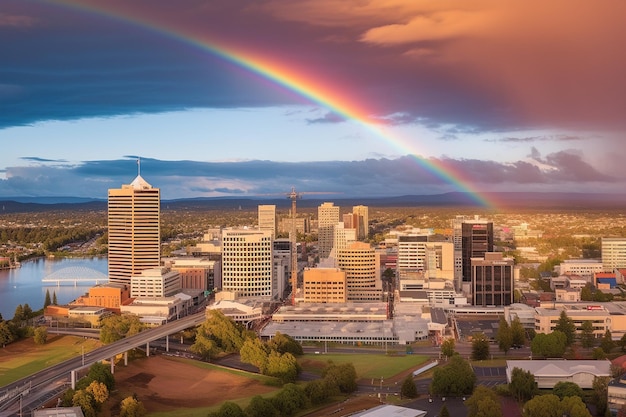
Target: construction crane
<point x="293" y="237"/>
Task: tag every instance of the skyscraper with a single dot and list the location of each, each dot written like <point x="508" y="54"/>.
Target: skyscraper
<point x="477" y="239"/>
<point x="267" y="218"/>
<point x="327" y="218"/>
<point x="492" y="283"/>
<point x="247" y="267"/>
<point x="134" y="217"/>
<point x="361" y="264"/>
<point x="361" y="218"/>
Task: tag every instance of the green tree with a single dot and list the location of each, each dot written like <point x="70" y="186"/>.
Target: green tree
<point x="622" y="343"/>
<point x="598" y="353"/>
<point x="409" y="389"/>
<point x="522" y="385"/>
<point x="6" y="335"/>
<point x="447" y="347"/>
<point x="54" y="298"/>
<point x="41" y="335"/>
<point x="261" y="407"/>
<point x="542" y="406"/>
<point x="18" y="316"/>
<point x="290" y="400"/>
<point x="483" y="403"/>
<point x="551" y="345"/>
<point x="318" y="390"/>
<point x="47" y="301"/>
<point x="600" y="388"/>
<point x="564" y="389"/>
<point x="573" y="407"/>
<point x="480" y="347"/>
<point x="518" y="333"/>
<point x="587" y="337"/>
<point x="607" y="343"/>
<point x="85" y="401"/>
<point x="566" y="326"/>
<point x="256" y="353"/>
<point x="586" y="293"/>
<point x="504" y="336"/>
<point x="284" y="343"/>
<point x="444" y="411"/>
<point x="28" y="312"/>
<point x="228" y="335"/>
<point x="284" y="367"/>
<point x="228" y="409"/>
<point x="101" y="373"/>
<point x="342" y="376"/>
<point x="98" y="391"/>
<point x="454" y="378"/>
<point x="117" y="327"/>
<point x="131" y="407"/>
<point x="204" y="346"/>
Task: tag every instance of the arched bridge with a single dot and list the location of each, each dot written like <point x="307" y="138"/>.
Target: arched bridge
<point x="75" y="274"/>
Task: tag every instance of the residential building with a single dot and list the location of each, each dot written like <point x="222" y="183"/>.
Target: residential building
<point x="324" y="285"/>
<point x="328" y="217"/>
<point x="134" y="237"/>
<point x="492" y="280"/>
<point x="267" y="218"/>
<point x="613" y="253"/>
<point x="247" y="265"/>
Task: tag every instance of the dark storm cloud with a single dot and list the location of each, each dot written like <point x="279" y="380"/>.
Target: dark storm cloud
<point x="37" y="159"/>
<point x="370" y="177"/>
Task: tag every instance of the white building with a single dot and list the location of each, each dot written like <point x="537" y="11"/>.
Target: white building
<point x="548" y="372"/>
<point x="327" y="219"/>
<point x="155" y="282"/>
<point x="267" y="218"/>
<point x="581" y="267"/>
<point x="247" y="265"/>
<point x="613" y="253"/>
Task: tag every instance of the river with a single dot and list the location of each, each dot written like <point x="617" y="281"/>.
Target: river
<point x="23" y="285"/>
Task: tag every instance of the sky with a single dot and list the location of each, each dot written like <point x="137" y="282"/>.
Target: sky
<point x="358" y="97"/>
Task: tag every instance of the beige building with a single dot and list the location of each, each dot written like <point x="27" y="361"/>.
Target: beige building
<point x="134" y="219"/>
<point x="327" y="219"/>
<point x="155" y="282"/>
<point x="324" y="285"/>
<point x="361" y="221"/>
<point x="267" y="218"/>
<point x="613" y="253"/>
<point x="547" y="318"/>
<point x="361" y="264"/>
<point x="343" y="237"/>
<point x="247" y="263"/>
<point x="196" y="273"/>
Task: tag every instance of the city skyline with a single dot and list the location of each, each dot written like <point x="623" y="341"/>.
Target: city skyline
<point x="375" y="98"/>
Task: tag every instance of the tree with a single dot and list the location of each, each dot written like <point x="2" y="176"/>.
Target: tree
<point x="483" y="403"/>
<point x="342" y="376"/>
<point x="622" y="343"/>
<point x="284" y="343"/>
<point x="255" y="353"/>
<point x="586" y="294"/>
<point x="54" y="298"/>
<point x="204" y="346"/>
<point x="131" y="407"/>
<point x="98" y="391"/>
<point x="47" y="301"/>
<point x="228" y="335"/>
<point x="117" y="327"/>
<point x="447" y="347"/>
<point x="551" y="345"/>
<point x="444" y="411"/>
<point x="550" y="405"/>
<point x="454" y="378"/>
<point x="228" y="409"/>
<point x="289" y="400"/>
<point x="504" y="336"/>
<point x="480" y="347"/>
<point x="6" y="335"/>
<point x="101" y="373"/>
<point x="566" y="326"/>
<point x="28" y="312"/>
<point x="600" y="388"/>
<point x="586" y="334"/>
<point x="284" y="367"/>
<point x="18" y="316"/>
<point x="41" y="335"/>
<point x="564" y="389"/>
<point x="522" y="386"/>
<point x="598" y="353"/>
<point x="518" y="333"/>
<point x="318" y="390"/>
<point x="85" y="401"/>
<point x="408" y="390"/>
<point x="261" y="407"/>
<point x="607" y="343"/>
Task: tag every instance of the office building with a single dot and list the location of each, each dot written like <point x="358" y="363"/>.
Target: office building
<point x="133" y="229"/>
<point x="267" y="218"/>
<point x="327" y="218"/>
<point x="492" y="280"/>
<point x="282" y="264"/>
<point x="324" y="285"/>
<point x="196" y="273"/>
<point x="155" y="282"/>
<point x="613" y="253"/>
<point x="412" y="252"/>
<point x="343" y="237"/>
<point x="476" y="241"/>
<point x="361" y="264"/>
<point x="361" y="221"/>
<point x="247" y="265"/>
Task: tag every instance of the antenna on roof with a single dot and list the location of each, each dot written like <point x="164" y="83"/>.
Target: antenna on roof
<point x="138" y="166"/>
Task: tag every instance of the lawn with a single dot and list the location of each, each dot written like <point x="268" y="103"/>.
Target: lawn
<point x="366" y="365"/>
<point x="23" y="358"/>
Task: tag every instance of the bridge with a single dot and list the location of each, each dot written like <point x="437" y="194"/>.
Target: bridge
<point x="75" y="274"/>
<point x="30" y="389"/>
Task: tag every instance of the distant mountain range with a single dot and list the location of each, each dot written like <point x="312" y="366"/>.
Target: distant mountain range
<point x="572" y="201"/>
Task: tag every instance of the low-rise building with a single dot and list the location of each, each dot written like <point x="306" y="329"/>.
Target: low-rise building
<point x="549" y="372"/>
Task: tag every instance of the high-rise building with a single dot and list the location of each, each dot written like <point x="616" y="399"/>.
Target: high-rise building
<point x="247" y="267"/>
<point x="477" y="239"/>
<point x="613" y="253"/>
<point x="324" y="285"/>
<point x="327" y="217"/>
<point x="361" y="264"/>
<point x="412" y="252"/>
<point x="343" y="237"/>
<point x="134" y="217"/>
<point x="361" y="221"/>
<point x="492" y="280"/>
<point x="155" y="282"/>
<point x="267" y="218"/>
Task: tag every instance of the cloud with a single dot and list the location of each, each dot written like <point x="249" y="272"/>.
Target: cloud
<point x="329" y="117"/>
<point x="543" y="138"/>
<point x="370" y="177"/>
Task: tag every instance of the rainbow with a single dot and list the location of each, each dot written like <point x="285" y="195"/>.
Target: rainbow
<point x="293" y="80"/>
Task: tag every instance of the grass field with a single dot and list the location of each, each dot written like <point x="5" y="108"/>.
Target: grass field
<point x="367" y="366"/>
<point x="23" y="358"/>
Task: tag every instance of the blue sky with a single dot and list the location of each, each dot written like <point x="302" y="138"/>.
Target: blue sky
<point x="84" y="92"/>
